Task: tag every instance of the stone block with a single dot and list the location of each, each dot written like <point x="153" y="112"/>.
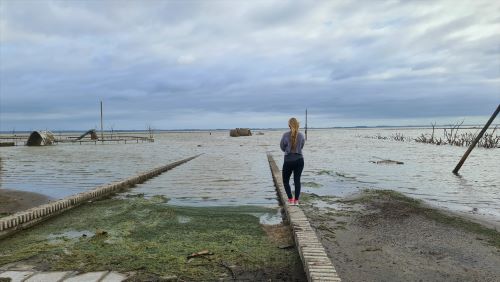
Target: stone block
<point x="114" y="277"/>
<point x="16" y="276"/>
<point x="325" y="278"/>
<point x="87" y="277"/>
<point x="48" y="276"/>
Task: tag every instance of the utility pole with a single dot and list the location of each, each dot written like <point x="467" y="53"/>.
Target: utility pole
<point x="478" y="137"/>
<point x="102" y="133"/>
<point x="306" y="124"/>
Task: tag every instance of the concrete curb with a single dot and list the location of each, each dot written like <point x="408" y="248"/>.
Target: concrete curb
<point x="317" y="265"/>
<point x="30" y="217"/>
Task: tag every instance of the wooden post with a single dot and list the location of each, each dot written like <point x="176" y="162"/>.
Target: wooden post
<point x="102" y="134"/>
<point x="479" y="136"/>
<point x="306" y="124"/>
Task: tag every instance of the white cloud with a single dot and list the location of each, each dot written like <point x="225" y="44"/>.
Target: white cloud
<point x="186" y="59"/>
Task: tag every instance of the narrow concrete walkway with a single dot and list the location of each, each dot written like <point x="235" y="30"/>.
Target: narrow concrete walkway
<point x="57" y="276"/>
<point x="317" y="265"/>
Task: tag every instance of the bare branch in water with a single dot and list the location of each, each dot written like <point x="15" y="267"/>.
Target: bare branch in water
<point x="451" y="136"/>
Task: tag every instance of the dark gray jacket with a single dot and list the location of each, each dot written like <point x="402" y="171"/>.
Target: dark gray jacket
<point x="286" y="145"/>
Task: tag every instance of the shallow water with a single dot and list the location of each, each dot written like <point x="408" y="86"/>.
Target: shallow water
<point x="234" y="171"/>
<point x="340" y="162"/>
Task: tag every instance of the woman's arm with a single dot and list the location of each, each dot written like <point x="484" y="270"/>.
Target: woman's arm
<point x="283" y="143"/>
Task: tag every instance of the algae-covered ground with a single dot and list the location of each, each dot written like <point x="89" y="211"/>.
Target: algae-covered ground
<point x="153" y="240"/>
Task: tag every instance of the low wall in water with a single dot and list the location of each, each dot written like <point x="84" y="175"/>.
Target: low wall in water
<point x="237" y="132"/>
<point x="30" y="217"/>
<point x="317" y="265"/>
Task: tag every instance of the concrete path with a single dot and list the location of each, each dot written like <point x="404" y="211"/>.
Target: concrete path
<point x="57" y="276"/>
<point x="317" y="265"/>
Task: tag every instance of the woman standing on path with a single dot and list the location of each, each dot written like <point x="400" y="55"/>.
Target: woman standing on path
<point x="292" y="143"/>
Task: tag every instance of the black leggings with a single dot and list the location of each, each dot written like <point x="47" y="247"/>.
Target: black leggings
<point x="296" y="167"/>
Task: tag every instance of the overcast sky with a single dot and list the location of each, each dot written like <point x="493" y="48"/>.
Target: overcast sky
<point x="223" y="64"/>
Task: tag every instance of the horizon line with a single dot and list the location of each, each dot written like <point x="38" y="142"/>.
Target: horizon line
<point x="260" y="128"/>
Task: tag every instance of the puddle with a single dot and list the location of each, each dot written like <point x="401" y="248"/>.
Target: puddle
<point x="269" y="218"/>
<point x="183" y="219"/>
<point x="71" y="234"/>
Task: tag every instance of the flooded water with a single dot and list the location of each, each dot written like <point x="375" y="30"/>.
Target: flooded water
<point x="234" y="171"/>
<point x="338" y="163"/>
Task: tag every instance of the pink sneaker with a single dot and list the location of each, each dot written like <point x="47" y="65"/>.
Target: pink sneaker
<point x="295" y="202"/>
<point x="291" y="201"/>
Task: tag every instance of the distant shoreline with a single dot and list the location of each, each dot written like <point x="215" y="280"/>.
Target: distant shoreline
<point x="402" y="127"/>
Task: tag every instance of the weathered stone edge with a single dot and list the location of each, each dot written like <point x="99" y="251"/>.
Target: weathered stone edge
<point x="32" y="216"/>
<point x="317" y="265"/>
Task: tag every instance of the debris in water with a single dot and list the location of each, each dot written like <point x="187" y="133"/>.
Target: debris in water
<point x="100" y="232"/>
<point x="283" y="247"/>
<point x="387" y="162"/>
<point x="200" y="253"/>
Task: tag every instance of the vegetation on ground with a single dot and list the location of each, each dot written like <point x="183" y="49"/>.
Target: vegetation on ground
<point x="151" y="238"/>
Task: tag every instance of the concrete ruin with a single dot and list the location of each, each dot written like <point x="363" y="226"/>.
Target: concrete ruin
<point x="237" y="132"/>
<point x="40" y="138"/>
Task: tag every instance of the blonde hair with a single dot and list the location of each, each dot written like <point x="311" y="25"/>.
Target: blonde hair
<point x="293" y="123"/>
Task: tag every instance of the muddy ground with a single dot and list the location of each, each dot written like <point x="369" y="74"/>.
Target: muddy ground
<point x="385" y="236"/>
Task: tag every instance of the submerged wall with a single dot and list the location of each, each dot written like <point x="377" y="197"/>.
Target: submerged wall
<point x="30" y="217"/>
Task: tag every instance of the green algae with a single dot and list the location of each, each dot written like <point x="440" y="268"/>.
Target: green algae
<point x="369" y="195"/>
<point x="311" y="184"/>
<point x="309" y="198"/>
<point x="160" y="199"/>
<point x="146" y="236"/>
<point x="344" y="175"/>
<point x="325" y="172"/>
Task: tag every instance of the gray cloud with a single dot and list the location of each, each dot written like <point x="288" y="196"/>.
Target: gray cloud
<point x="228" y="63"/>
